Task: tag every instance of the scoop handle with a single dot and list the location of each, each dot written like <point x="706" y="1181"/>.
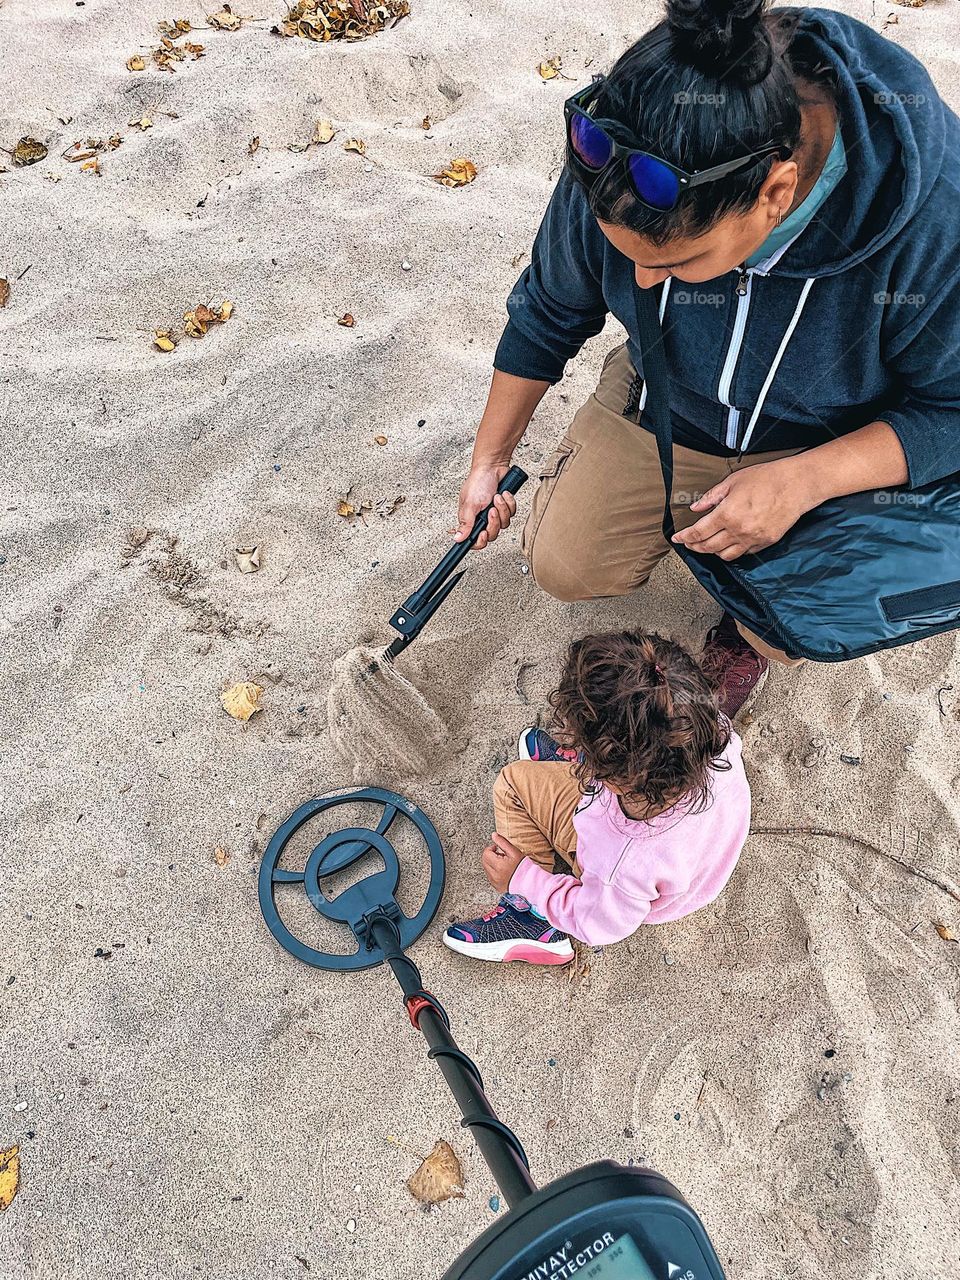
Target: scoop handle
<point x="512" y="482"/>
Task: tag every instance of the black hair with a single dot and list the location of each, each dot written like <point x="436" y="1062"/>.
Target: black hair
<point x="713" y="81"/>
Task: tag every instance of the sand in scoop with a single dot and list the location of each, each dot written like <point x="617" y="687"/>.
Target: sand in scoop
<point x="377" y="718"/>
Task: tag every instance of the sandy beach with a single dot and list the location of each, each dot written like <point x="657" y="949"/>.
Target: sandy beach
<point x="187" y="1098"/>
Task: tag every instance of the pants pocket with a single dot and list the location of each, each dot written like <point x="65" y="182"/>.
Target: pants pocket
<point x="549" y="476"/>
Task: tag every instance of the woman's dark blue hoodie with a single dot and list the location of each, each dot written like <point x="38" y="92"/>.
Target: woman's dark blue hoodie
<point x="857" y="319"/>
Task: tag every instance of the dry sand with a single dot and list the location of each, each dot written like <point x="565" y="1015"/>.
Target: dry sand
<point x="196" y="1101"/>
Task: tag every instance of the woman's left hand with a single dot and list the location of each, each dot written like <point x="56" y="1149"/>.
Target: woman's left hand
<point x="749" y="510"/>
<point x="500" y="860"/>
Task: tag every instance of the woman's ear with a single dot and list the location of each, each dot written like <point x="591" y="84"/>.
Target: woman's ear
<point x="779" y="188"/>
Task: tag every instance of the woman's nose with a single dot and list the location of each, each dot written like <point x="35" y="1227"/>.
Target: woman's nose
<point x="647" y="277"/>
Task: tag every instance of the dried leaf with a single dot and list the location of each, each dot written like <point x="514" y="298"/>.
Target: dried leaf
<point x="323" y="133"/>
<point x="356" y="144"/>
<point x="221" y="856"/>
<point x="178" y="27"/>
<point x="247" y="558"/>
<point x="253" y="146"/>
<point x="458" y="173"/>
<point x="439" y="1178"/>
<point x="163" y="340"/>
<point x="92" y="166"/>
<point x="324" y="20"/>
<point x="945" y="931"/>
<point x="426" y="123"/>
<point x="136" y="63"/>
<point x="141" y="122"/>
<point x="29" y="151"/>
<point x="225" y="20"/>
<point x="385" y="508"/>
<point x="242" y="700"/>
<point x="9" y="1176"/>
<point x="347" y="320"/>
<point x="196" y="50"/>
<point x="345" y="508"/>
<point x="380" y="439"/>
<point x="226" y="311"/>
<point x="4" y="292"/>
<point x="550" y="69"/>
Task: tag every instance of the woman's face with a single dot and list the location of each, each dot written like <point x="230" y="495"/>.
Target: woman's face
<point x="725" y="246"/>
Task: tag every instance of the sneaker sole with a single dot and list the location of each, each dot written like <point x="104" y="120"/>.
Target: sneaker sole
<point x="530" y="952"/>
<point x="523" y="751"/>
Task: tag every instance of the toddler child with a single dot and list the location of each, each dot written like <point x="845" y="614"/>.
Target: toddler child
<point x="642" y="796"/>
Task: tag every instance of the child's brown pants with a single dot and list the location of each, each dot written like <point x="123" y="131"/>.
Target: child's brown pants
<point x="534" y="802"/>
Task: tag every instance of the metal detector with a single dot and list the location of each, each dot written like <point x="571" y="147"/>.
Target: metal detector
<point x="601" y="1222"/>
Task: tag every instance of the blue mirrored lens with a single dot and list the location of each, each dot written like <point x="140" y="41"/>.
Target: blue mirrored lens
<point x="655" y="183"/>
<point x="590" y="144"/>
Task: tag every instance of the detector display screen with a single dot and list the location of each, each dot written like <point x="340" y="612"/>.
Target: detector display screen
<point x="621" y="1260"/>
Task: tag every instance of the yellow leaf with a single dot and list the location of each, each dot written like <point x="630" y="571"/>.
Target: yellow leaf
<point x="426" y="123"/>
<point x="141" y="122"/>
<point x="380" y="439"/>
<point x="226" y="310"/>
<point x="945" y="932"/>
<point x="9" y="1176"/>
<point x="346" y="508"/>
<point x="225" y="20"/>
<point x="29" y="151"/>
<point x="221" y="856"/>
<point x="242" y="700"/>
<point x="193" y="326"/>
<point x="136" y="63"/>
<point x="347" y="320"/>
<point x="163" y="340"/>
<point x="4" y="292"/>
<point x="355" y="144"/>
<point x="323" y="133"/>
<point x="550" y="69"/>
<point x="458" y="173"/>
<point x="92" y="166"/>
<point x="439" y="1177"/>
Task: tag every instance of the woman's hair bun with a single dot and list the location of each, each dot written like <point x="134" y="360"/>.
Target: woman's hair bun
<point x="725" y="39"/>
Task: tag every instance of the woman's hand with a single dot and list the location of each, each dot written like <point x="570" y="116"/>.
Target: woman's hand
<point x="750" y="509"/>
<point x="500" y="860"/>
<point x="478" y="491"/>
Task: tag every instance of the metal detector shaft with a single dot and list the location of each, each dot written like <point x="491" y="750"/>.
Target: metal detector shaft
<point x="423" y="603"/>
<point x="498" y="1145"/>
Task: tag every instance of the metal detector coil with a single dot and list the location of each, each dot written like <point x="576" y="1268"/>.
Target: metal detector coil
<point x="373" y="896"/>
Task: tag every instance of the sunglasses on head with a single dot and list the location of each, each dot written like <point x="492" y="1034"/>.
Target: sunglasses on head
<point x="654" y="181"/>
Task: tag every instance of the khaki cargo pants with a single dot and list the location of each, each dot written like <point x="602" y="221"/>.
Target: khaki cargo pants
<point x="595" y="525"/>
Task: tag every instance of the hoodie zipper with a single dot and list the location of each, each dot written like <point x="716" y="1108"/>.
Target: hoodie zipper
<point x="733" y="355"/>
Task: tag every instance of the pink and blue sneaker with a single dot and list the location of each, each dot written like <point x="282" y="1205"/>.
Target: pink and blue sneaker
<point x="513" y="930"/>
<point x="536" y="744"/>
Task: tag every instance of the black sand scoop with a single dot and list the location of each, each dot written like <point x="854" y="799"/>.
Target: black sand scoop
<point x="420" y="606"/>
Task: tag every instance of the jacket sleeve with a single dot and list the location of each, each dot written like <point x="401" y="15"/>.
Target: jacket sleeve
<point x="589" y="909"/>
<point x="925" y="357"/>
<point x="558" y="302"/>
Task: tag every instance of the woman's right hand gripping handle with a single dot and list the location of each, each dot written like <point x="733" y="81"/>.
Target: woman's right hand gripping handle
<point x="510" y="407"/>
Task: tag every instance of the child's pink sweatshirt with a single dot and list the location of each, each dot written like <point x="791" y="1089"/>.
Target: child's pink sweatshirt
<point x="643" y="872"/>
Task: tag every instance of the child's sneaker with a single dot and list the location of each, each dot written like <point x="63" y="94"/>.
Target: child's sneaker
<point x="511" y="931"/>
<point x="536" y="744"/>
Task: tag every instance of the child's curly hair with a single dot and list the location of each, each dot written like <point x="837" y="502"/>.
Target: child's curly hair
<point x="643" y="716"/>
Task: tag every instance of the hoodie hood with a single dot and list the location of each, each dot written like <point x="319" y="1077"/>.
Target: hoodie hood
<point x="893" y="124"/>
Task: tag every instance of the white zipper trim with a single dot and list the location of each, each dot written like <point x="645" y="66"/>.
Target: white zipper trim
<point x="730" y="363"/>
<point x="771" y="373"/>
<point x="663" y="306"/>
